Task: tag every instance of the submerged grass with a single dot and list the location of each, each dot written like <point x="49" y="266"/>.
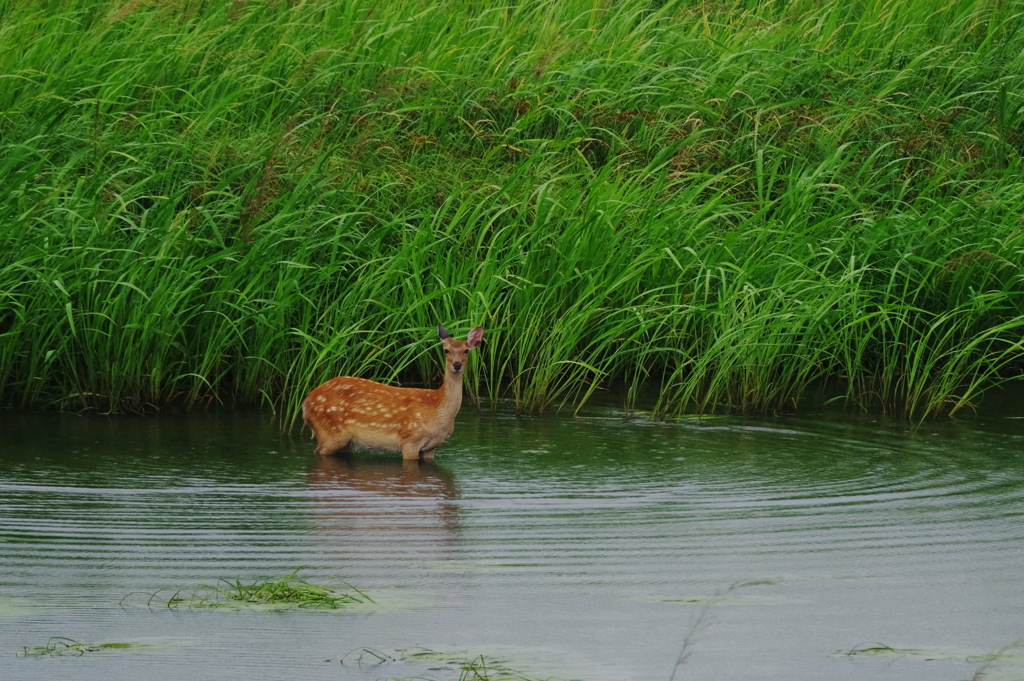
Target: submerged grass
<point x="232" y="201"/>
<point x="1006" y="662"/>
<point x="289" y="590"/>
<point x="58" y="646"/>
<point x="468" y="668"/>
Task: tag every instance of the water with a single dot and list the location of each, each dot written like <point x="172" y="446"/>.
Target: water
<point x="589" y="549"/>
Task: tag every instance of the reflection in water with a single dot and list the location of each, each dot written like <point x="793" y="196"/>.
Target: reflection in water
<point x="398" y="478"/>
<point x="397" y="512"/>
<point x="379" y="496"/>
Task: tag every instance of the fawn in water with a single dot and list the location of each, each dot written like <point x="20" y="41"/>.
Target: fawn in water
<point x="346" y="410"/>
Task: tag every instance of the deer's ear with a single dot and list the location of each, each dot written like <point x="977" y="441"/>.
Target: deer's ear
<point x="475" y="336"/>
<point x="441" y="332"/>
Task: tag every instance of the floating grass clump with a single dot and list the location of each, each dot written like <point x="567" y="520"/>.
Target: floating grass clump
<point x="289" y="590"/>
<point x="59" y="646"/>
<point x="1008" y="660"/>
<point x="450" y="665"/>
<point x="480" y="669"/>
<point x="232" y="201"/>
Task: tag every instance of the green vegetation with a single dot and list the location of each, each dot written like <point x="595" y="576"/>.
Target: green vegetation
<point x="479" y="668"/>
<point x="59" y="645"/>
<point x="1008" y="656"/>
<point x="234" y="200"/>
<point x="287" y="590"/>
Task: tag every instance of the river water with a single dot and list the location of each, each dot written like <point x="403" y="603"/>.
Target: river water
<point x="599" y="548"/>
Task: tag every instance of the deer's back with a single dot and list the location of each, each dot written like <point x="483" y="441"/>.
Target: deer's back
<point x="357" y="404"/>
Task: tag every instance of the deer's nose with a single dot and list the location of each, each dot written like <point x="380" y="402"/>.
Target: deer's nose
<point x="457" y="366"/>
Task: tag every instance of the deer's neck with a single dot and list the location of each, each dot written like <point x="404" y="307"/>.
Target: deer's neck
<point x="450" y="395"/>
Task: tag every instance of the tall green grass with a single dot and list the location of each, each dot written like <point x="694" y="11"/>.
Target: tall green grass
<point x="233" y="201"/>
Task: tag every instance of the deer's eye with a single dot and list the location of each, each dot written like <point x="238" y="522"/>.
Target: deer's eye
<point x="447" y="351"/>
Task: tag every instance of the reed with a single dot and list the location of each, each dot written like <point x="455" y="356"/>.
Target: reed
<point x="235" y="201"/>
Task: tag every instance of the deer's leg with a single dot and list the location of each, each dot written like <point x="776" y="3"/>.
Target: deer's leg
<point x="333" y="445"/>
<point x="427" y="454"/>
<point x="410" y="450"/>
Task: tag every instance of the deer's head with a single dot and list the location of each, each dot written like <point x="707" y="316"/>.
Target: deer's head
<point x="455" y="351"/>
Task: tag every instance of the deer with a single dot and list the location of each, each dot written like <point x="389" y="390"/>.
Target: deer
<point x="348" y="411"/>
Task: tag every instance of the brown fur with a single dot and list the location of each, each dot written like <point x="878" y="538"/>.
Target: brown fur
<point x="347" y="410"/>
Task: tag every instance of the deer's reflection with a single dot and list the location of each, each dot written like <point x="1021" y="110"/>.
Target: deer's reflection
<point x="384" y="516"/>
<point x="406" y="478"/>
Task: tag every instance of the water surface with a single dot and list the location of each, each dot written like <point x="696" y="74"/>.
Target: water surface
<point x="570" y="548"/>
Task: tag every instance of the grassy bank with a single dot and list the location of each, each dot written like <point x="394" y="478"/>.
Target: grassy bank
<point x="233" y="201"/>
